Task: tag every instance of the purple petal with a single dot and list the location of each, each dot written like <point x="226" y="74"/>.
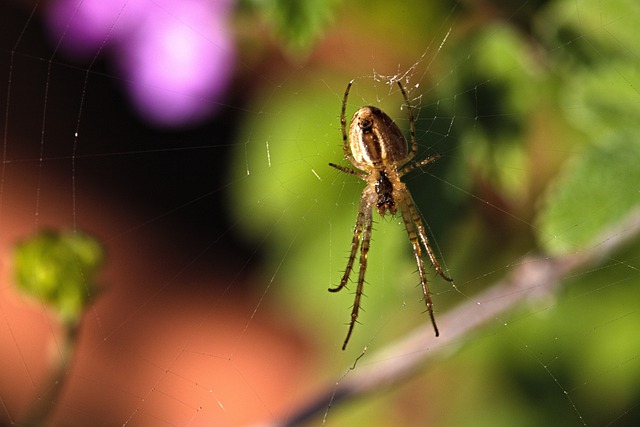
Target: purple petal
<point x="176" y="56"/>
<point x="178" y="63"/>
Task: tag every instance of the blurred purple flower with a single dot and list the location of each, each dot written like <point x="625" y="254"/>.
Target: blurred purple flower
<point x="176" y="56"/>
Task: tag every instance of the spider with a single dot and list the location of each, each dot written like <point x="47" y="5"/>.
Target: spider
<point x="378" y="150"/>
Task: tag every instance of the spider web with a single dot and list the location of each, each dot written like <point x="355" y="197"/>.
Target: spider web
<point x="223" y="236"/>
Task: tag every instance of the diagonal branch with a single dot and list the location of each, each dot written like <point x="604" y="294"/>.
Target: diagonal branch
<point x="532" y="278"/>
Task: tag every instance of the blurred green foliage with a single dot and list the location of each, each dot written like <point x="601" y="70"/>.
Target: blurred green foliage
<point x="595" y="89"/>
<point x="584" y="203"/>
<point x="297" y="24"/>
<point x="59" y="269"/>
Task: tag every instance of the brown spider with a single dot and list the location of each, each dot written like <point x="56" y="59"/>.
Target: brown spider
<point x="378" y="150"/>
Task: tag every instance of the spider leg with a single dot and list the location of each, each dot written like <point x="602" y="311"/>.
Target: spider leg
<point x="350" y="171"/>
<point x="408" y="210"/>
<point x="364" y="251"/>
<point x="343" y="126"/>
<point x="408" y="167"/>
<point x="362" y="230"/>
<point x="419" y="226"/>
<point x="412" y="126"/>
<point x="355" y="242"/>
<point x="363" y="220"/>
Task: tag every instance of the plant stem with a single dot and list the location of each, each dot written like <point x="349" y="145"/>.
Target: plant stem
<point x="45" y="403"/>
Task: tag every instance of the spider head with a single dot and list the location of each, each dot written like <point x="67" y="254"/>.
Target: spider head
<point x="384" y="190"/>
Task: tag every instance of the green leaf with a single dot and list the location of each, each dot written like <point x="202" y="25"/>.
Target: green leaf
<point x="508" y="89"/>
<point x="602" y="99"/>
<point x="298" y="23"/>
<point x="597" y="188"/>
<point x="59" y="269"/>
<point x="592" y="30"/>
<point x="597" y="79"/>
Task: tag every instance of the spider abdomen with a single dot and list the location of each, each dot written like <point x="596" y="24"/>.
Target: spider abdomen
<point x="375" y="139"/>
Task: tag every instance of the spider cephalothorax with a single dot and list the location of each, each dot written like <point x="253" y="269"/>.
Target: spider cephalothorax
<point x="384" y="190"/>
<point x="378" y="150"/>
